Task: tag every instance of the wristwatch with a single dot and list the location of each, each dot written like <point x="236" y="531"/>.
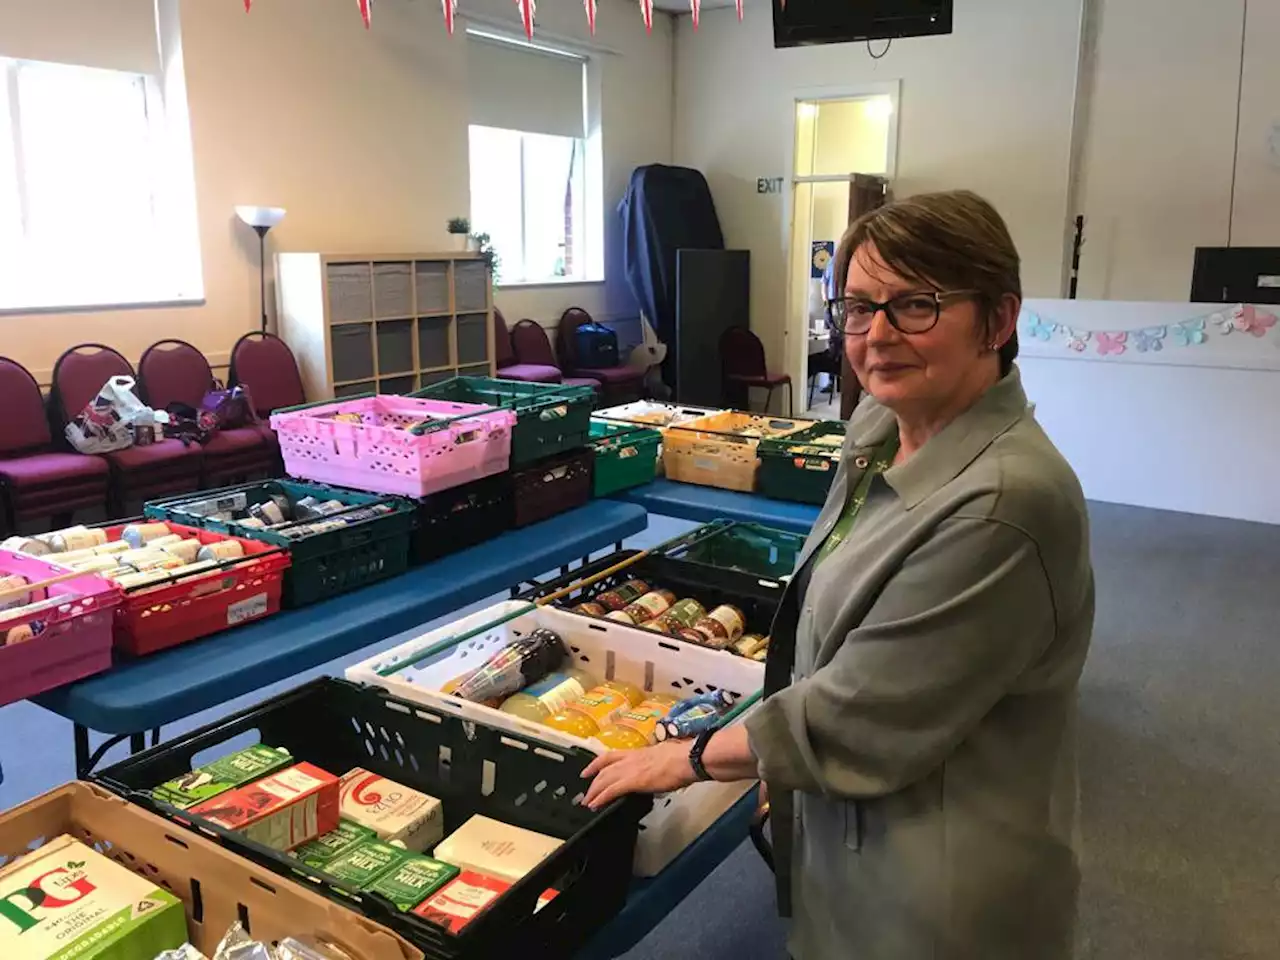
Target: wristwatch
<point x="695" y="756"/>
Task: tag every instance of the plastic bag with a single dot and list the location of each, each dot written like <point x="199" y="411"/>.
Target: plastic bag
<point x="104" y="424"/>
<point x="231" y="408"/>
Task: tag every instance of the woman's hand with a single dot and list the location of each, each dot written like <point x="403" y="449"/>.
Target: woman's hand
<point x="659" y="769"/>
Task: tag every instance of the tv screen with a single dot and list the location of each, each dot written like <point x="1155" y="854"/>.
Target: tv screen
<point x="800" y="22"/>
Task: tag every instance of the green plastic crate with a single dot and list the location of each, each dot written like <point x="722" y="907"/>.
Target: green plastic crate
<point x="738" y="545"/>
<point x="550" y="417"/>
<point x="323" y="564"/>
<point x="626" y="456"/>
<point x="791" y="468"/>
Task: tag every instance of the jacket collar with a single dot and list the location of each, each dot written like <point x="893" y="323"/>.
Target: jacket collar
<point x="957" y="445"/>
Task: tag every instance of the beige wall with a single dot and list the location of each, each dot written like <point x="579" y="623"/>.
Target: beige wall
<point x="363" y="137"/>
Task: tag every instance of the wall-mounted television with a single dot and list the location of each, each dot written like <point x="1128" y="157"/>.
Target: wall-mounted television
<point x="801" y="22"/>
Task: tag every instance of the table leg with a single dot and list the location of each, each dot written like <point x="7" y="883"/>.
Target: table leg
<point x="137" y="742"/>
<point x="82" y="751"/>
<point x="155" y="737"/>
<point x="86" y="759"/>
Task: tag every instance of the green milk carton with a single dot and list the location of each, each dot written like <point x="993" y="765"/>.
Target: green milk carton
<point x="223" y="774"/>
<point x="366" y="863"/>
<point x="322" y="851"/>
<point x="413" y="881"/>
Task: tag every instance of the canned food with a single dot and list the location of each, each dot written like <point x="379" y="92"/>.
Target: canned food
<point x="653" y="604"/>
<point x="590" y="609"/>
<point x="722" y="626"/>
<point x="621" y="616"/>
<point x="621" y="596"/>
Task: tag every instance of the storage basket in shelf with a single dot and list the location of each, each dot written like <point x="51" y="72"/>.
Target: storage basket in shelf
<point x="401" y="445"/>
<point x="417" y="669"/>
<point x="184" y="607"/>
<point x="737" y="545"/>
<point x="801" y="466"/>
<point x="214" y="884"/>
<point x="721" y="450"/>
<point x="552" y="486"/>
<point x="626" y="455"/>
<point x="472" y="769"/>
<point x="324" y="564"/>
<point x="68" y="640"/>
<point x="550" y="417"/>
<point x="461" y="517"/>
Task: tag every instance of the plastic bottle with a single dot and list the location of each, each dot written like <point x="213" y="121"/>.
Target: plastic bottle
<point x="599" y="708"/>
<point x="635" y="728"/>
<point x="521" y="662"/>
<point x="549" y="695"/>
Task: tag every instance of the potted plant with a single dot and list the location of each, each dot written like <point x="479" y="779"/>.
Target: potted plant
<point x="459" y="227"/>
<point x="481" y="243"/>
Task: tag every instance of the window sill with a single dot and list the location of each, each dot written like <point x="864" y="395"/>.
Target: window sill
<point x="565" y="282"/>
<point x="103" y="307"/>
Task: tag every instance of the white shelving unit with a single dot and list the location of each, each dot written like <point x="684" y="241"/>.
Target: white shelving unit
<point x="385" y="323"/>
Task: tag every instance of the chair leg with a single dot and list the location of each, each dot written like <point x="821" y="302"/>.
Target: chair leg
<point x="791" y="400"/>
<point x="811" y="381"/>
<point x="768" y="400"/>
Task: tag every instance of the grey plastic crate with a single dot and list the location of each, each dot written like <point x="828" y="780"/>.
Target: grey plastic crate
<point x="406" y="384"/>
<point x="470" y="286"/>
<point x="426" y="379"/>
<point x="480" y="370"/>
<point x="350" y="291"/>
<point x="395" y="346"/>
<point x="473" y="339"/>
<point x="351" y="346"/>
<point x="353" y="389"/>
<point x="432" y="280"/>
<point x="393" y="289"/>
<point x="433" y="342"/>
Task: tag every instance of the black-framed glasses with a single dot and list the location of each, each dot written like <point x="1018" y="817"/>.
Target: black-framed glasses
<point x="909" y="313"/>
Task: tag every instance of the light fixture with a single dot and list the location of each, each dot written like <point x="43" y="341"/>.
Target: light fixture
<point x="261" y="219"/>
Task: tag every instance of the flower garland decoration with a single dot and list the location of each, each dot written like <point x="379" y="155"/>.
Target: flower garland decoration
<point x="1242" y="318"/>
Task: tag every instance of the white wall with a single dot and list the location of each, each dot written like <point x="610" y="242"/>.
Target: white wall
<point x="363" y="137"/>
<point x="1198" y="438"/>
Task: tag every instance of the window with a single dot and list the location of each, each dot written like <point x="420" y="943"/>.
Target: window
<point x="87" y="200"/>
<point x="529" y="170"/>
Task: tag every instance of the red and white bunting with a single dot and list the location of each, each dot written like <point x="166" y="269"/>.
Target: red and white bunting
<point x="528" y="10"/>
<point x="740" y="10"/>
<point x="366" y="11"/>
<point x="696" y="7"/>
<point x="591" y="14"/>
<point x="646" y="9"/>
<point x="247" y="5"/>
<point x="450" y="11"/>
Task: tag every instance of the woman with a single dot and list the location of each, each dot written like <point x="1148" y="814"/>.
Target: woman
<point x="918" y="732"/>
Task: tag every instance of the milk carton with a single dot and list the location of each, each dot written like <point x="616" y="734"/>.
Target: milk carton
<point x="392" y="811"/>
<point x="496" y="849"/>
<point x="67" y="901"/>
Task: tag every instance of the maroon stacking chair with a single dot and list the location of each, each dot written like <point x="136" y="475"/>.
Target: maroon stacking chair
<point x="37" y="480"/>
<point x="532" y="347"/>
<point x="742" y="366"/>
<point x="137" y="473"/>
<point x="620" y="384"/>
<point x="263" y="364"/>
<point x="522" y="361"/>
<point x="173" y="371"/>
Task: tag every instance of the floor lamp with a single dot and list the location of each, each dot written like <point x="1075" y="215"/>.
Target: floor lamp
<point x="261" y="219"/>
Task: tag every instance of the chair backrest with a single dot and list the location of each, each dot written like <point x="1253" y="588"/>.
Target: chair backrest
<point x="741" y="353"/>
<point x="531" y="344"/>
<point x="567" y="333"/>
<point x="173" y="371"/>
<point x="265" y="364"/>
<point x="79" y="374"/>
<point x="503" y="352"/>
<point x="23" y="427"/>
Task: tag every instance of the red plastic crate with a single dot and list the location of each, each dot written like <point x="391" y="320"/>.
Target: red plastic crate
<point x="158" y="616"/>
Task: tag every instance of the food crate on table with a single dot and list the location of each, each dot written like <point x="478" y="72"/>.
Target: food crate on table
<point x="651" y="413"/>
<point x="801" y="466"/>
<point x="393" y="444"/>
<point x="471" y="769"/>
<point x="550" y="417"/>
<point x="720" y="450"/>
<point x="462" y="517"/>
<point x="338" y="539"/>
<point x="737" y="545"/>
<point x="183" y="595"/>
<point x="552" y="486"/>
<point x="418" y="670"/>
<point x="626" y="455"/>
<point x="64" y="634"/>
<point x="217" y="887"/>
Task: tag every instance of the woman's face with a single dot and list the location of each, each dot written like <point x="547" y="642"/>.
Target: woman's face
<point x="914" y="371"/>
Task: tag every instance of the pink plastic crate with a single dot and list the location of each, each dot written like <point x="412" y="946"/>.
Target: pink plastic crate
<point x="72" y="639"/>
<point x="381" y="453"/>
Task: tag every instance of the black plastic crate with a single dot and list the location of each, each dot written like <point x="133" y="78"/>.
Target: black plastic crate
<point x="461" y="517"/>
<point x="738" y="545"/>
<point x="552" y="486"/>
<point x="471" y="768"/>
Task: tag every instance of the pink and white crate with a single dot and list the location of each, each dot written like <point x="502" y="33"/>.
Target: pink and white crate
<point x="393" y="444"/>
<point x="64" y="638"/>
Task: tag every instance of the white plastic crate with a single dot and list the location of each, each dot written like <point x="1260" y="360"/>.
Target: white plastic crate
<point x="417" y="669"/>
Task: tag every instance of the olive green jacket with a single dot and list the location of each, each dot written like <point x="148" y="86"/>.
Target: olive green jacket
<point x="927" y="727"/>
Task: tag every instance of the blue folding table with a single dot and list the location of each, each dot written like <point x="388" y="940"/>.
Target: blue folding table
<point x="689" y="501"/>
<point x="145" y="694"/>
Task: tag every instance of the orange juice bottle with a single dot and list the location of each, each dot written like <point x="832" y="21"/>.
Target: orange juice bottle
<point x="587" y="715"/>
<point x="635" y="728"/>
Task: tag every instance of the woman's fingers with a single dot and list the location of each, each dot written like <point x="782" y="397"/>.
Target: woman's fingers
<point x="601" y="762"/>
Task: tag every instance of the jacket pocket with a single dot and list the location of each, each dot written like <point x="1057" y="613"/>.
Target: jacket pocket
<point x="854" y="825"/>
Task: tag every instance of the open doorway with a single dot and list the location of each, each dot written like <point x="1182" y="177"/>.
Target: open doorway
<point x="841" y="142"/>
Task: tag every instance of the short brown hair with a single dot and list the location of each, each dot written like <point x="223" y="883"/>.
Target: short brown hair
<point x="952" y="241"/>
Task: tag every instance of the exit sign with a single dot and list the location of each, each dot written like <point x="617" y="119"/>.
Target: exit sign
<point x="769" y="185"/>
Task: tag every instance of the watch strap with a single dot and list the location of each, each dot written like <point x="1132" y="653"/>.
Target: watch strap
<point x="695" y="755"/>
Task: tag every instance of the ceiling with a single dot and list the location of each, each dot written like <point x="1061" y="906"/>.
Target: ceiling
<point x="682" y="6"/>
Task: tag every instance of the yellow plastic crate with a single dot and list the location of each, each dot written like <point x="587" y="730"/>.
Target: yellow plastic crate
<point x="721" y="450"/>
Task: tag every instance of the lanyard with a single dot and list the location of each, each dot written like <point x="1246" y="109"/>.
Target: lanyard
<point x="882" y="461"/>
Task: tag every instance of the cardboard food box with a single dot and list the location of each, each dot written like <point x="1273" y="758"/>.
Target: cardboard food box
<point x="65" y="900"/>
<point x="391" y="810"/>
<point x="281" y="811"/>
<point x="225" y="773"/>
<point x="196" y="870"/>
<point x="366" y="863"/>
<point x="415" y="879"/>
<point x="496" y="849"/>
<point x="321" y="851"/>
<point x="468" y="896"/>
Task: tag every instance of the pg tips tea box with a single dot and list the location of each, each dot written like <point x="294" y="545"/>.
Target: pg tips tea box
<point x="66" y="901"/>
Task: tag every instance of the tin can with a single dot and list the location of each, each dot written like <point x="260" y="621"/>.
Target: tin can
<point x="653" y="604"/>
<point x="722" y="626"/>
<point x="590" y="609"/>
<point x="621" y="596"/>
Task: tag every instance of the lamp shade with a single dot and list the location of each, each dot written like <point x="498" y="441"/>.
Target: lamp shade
<point x="257" y="217"/>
